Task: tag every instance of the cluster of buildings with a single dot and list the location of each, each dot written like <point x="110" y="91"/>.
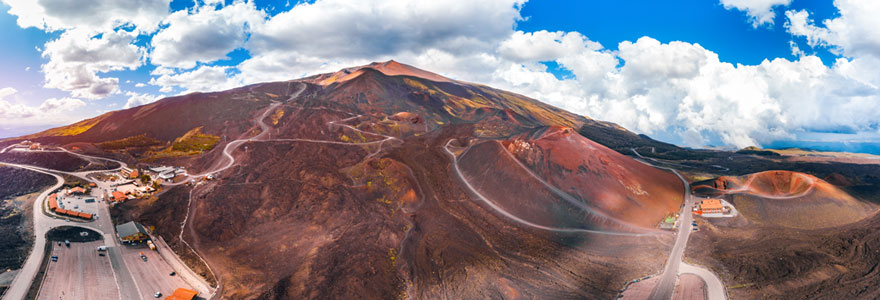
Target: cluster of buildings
<point x="167" y="173"/>
<point x="129" y="173"/>
<point x="57" y="206"/>
<point x="28" y="145"/>
<point x="129" y="190"/>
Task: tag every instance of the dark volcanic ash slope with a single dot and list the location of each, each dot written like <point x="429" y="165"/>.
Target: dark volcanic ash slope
<point x="351" y="194"/>
<point x="15" y="236"/>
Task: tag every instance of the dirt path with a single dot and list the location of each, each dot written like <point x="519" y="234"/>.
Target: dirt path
<point x="513" y="217"/>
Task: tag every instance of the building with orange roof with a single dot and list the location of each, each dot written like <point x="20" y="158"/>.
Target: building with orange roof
<point x="711" y="206"/>
<point x="92" y="184"/>
<point x="134" y="174"/>
<point x="77" y="190"/>
<point x="118" y="196"/>
<point x="182" y="294"/>
<point x="53" y="202"/>
<point x="83" y="215"/>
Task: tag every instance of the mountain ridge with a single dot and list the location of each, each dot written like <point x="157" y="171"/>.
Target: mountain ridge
<point x="368" y="175"/>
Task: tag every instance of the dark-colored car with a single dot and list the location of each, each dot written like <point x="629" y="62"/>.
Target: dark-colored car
<point x="54" y="258"/>
<point x="172" y="274"/>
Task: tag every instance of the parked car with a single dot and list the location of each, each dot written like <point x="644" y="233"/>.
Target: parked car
<point x="100" y="253"/>
<point x="158" y="294"/>
<point x="54" y="258"/>
<point x="172" y="273"/>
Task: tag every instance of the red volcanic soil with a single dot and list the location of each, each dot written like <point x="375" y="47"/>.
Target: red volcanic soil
<point x="554" y="177"/>
<point x="326" y="206"/>
<point x="788" y="199"/>
<point x="390" y="68"/>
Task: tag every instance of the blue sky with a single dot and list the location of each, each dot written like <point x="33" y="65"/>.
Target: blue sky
<point x="708" y="23"/>
<point x="724" y="73"/>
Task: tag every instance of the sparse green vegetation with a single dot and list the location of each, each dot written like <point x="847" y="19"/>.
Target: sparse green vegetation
<point x="130" y="142"/>
<point x="392" y="256"/>
<point x="195" y="140"/>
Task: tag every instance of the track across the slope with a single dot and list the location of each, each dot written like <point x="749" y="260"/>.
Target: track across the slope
<point x="519" y="220"/>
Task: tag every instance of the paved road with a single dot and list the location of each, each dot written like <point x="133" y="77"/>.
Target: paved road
<point x="713" y="284"/>
<point x="127" y="286"/>
<point x="666" y="286"/>
<point x="42" y="224"/>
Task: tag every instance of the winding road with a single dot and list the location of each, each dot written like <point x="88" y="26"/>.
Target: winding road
<point x="128" y="286"/>
<point x="674" y="266"/>
<point x="44" y="222"/>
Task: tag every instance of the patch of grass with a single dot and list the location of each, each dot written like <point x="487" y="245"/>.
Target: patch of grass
<point x="195" y="140"/>
<point x="130" y="142"/>
<point x="392" y="256"/>
<point x="276" y="117"/>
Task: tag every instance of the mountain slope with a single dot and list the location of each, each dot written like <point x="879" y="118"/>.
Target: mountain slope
<point x="347" y="185"/>
<point x="788" y="199"/>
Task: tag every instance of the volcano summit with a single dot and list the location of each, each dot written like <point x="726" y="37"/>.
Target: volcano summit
<point x="385" y="181"/>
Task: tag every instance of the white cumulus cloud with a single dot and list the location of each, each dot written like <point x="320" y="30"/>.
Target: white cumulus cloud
<point x="206" y="35"/>
<point x="760" y="12"/>
<point x="355" y="29"/>
<point x="202" y="79"/>
<point x="855" y="32"/>
<point x="92" y="16"/>
<point x="136" y="99"/>
<point x="12" y="113"/>
<point x="675" y="91"/>
<point x="76" y="59"/>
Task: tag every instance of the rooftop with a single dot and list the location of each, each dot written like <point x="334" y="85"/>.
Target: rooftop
<point x="130" y="228"/>
<point x="710" y="204"/>
<point x="182" y="294"/>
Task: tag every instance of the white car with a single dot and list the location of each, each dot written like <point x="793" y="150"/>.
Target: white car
<point x="158" y="294"/>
